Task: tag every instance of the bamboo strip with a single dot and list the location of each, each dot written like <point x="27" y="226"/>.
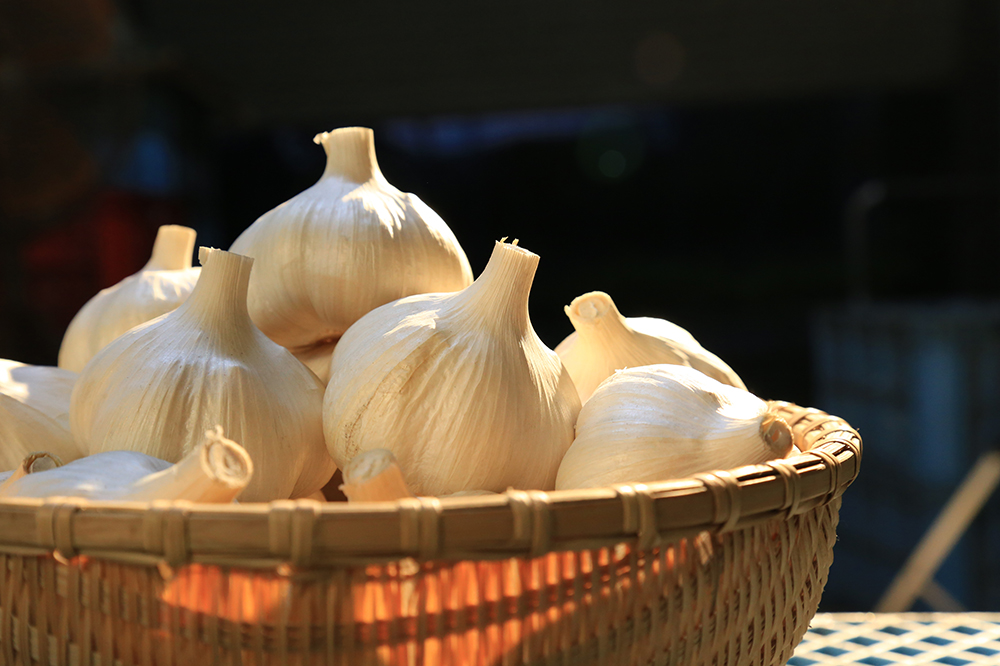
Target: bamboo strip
<point x="482" y="524"/>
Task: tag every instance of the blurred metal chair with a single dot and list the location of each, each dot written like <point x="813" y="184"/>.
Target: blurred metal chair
<point x="916" y="579"/>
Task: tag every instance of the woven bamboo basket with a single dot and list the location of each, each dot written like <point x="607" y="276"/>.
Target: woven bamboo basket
<point x="726" y="568"/>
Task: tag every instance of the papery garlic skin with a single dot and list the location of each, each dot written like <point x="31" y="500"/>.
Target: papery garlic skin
<point x="605" y="341"/>
<point x="159" y="386"/>
<point x="458" y="386"/>
<point x="346" y="245"/>
<point x="24" y="430"/>
<point x="660" y="422"/>
<point x="164" y="283"/>
<point x="317" y="358"/>
<point x="43" y="387"/>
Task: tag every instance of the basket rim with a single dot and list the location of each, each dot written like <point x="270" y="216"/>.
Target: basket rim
<point x="307" y="533"/>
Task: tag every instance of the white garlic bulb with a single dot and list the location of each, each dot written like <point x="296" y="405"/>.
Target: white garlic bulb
<point x="164" y="283"/>
<point x="346" y="245"/>
<point x="605" y="341"/>
<point x="156" y="388"/>
<point x="216" y="470"/>
<point x="44" y="387"/>
<point x="660" y="422"/>
<point x="458" y="386"/>
<point x="24" y="430"/>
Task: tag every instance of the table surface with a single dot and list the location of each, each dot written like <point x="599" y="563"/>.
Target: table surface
<point x="883" y="639"/>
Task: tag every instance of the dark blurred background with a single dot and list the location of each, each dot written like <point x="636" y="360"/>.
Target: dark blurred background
<point x="809" y="188"/>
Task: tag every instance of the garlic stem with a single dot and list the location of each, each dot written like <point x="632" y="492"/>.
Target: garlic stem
<point x="499" y="296"/>
<point x="40" y="461"/>
<point x="219" y="300"/>
<point x="215" y="471"/>
<point x="594" y="315"/>
<point x="374" y="476"/>
<point x="350" y="154"/>
<point x="776" y="433"/>
<point x="33" y="462"/>
<point x="172" y="249"/>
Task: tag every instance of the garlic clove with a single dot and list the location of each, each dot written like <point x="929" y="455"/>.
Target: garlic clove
<point x="660" y="422"/>
<point x="163" y="284"/>
<point x="457" y="385"/>
<point x="216" y="470"/>
<point x="605" y="341"/>
<point x="45" y="388"/>
<point x="374" y="476"/>
<point x="346" y="245"/>
<point x="24" y="430"/>
<point x="156" y="388"/>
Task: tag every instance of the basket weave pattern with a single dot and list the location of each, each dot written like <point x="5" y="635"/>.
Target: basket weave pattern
<point x="727" y="568"/>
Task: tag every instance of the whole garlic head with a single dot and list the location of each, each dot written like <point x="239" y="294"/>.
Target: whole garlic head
<point x="605" y="341"/>
<point x="164" y="282"/>
<point x="346" y="245"/>
<point x="157" y="388"/>
<point x="660" y="422"/>
<point x="457" y="386"/>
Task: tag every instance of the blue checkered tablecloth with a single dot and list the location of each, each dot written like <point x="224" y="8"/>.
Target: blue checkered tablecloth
<point x="883" y="639"/>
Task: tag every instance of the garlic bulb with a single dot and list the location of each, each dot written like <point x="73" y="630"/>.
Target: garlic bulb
<point x="458" y="386"/>
<point x="660" y="422"/>
<point x="163" y="283"/>
<point x="216" y="470"/>
<point x="605" y="341"/>
<point x="157" y="387"/>
<point x="346" y="245"/>
<point x="44" y="387"/>
<point x="24" y="430"/>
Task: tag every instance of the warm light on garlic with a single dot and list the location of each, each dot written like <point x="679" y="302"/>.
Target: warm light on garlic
<point x="215" y="470"/>
<point x="346" y="245"/>
<point x="374" y="476"/>
<point x="164" y="283"/>
<point x="458" y="386"/>
<point x="158" y="387"/>
<point x="605" y="341"/>
<point x="43" y="387"/>
<point x="660" y="422"/>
